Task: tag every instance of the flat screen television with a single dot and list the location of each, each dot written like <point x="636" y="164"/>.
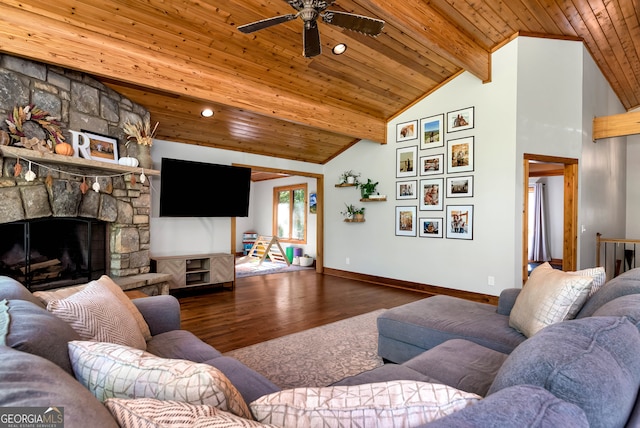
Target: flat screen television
<point x="199" y="189"/>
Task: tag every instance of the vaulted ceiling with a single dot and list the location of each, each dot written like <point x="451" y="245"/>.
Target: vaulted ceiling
<point x="176" y="57"/>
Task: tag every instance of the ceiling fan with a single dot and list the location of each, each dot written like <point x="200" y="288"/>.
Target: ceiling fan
<point x="310" y="11"/>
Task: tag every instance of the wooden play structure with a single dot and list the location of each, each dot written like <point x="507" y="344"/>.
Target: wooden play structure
<point x="265" y="246"/>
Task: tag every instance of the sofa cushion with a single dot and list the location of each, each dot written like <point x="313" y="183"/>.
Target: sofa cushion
<point x="97" y="313"/>
<point x="516" y="407"/>
<point x="250" y="383"/>
<point x="591" y="362"/>
<point x="152" y="413"/>
<point x="181" y="345"/>
<point x="548" y="297"/>
<point x="395" y="403"/>
<point x="34" y="330"/>
<point x="116" y="371"/>
<point x="624" y="306"/>
<point x="621" y="285"/>
<point x="11" y="289"/>
<point x="29" y="380"/>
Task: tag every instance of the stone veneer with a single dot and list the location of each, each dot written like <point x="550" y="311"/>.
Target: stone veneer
<point x="81" y="103"/>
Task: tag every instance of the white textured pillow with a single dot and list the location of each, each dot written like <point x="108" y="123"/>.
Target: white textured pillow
<point x="597" y="273"/>
<point x="63" y="293"/>
<point x="400" y="403"/>
<point x="152" y="413"/>
<point x="96" y="313"/>
<point x="548" y="297"/>
<point x="115" y="371"/>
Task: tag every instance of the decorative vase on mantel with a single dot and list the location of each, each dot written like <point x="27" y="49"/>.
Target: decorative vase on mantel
<point x="141" y="152"/>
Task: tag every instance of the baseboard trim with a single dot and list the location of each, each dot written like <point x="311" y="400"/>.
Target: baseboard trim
<point x="415" y="286"/>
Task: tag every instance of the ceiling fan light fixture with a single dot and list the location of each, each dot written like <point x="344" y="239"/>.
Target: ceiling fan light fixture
<point x="339" y="49"/>
<point x="206" y="112"/>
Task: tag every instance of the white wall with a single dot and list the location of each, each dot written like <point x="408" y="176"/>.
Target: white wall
<point x="633" y="188"/>
<point x="172" y="236"/>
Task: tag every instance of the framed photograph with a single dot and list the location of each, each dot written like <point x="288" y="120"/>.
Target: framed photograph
<point x="432" y="132"/>
<point x="406" y="221"/>
<point x="432" y="165"/>
<point x="406" y="159"/>
<point x="460" y="221"/>
<point x="460" y="155"/>
<point x="102" y="148"/>
<point x="407" y="189"/>
<point x="431" y="194"/>
<point x="459" y="120"/>
<point x="430" y="227"/>
<point x="460" y="187"/>
<point x="406" y="131"/>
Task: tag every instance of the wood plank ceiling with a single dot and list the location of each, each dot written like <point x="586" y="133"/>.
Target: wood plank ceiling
<point x="176" y="57"/>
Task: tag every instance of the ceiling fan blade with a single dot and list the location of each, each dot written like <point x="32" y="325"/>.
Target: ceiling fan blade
<point x="353" y="22"/>
<point x="311" y="39"/>
<point x="266" y="23"/>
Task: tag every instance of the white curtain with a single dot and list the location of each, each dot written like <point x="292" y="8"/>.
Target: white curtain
<point x="539" y="248"/>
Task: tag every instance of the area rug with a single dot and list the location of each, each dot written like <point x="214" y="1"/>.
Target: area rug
<point x="318" y="356"/>
<point x="253" y="268"/>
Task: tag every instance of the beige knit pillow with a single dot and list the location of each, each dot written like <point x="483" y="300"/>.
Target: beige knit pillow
<point x="548" y="297"/>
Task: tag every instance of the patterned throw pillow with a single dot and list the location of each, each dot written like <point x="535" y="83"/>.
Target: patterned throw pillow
<point x="152" y="413"/>
<point x="65" y="292"/>
<point x="97" y="313"/>
<point x="597" y="273"/>
<point x="394" y="403"/>
<point x="548" y="297"/>
<point x="116" y="371"/>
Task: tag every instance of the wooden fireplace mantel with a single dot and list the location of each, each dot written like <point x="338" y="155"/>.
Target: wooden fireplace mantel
<point x="33" y="155"/>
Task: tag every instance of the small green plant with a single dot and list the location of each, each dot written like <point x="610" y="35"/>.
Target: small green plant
<point x="352" y="210"/>
<point x="367" y="189"/>
<point x="350" y="177"/>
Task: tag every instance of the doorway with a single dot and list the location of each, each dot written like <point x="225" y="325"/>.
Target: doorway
<point x="319" y="262"/>
<point x="541" y="165"/>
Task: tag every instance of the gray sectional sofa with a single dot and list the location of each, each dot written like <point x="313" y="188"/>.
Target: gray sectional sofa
<point x="579" y="373"/>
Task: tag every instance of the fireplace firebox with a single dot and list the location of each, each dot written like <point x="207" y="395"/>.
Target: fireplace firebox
<point x="53" y="252"/>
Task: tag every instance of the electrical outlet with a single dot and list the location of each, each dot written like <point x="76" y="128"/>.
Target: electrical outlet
<point x="347" y="261"/>
<point x="491" y="280"/>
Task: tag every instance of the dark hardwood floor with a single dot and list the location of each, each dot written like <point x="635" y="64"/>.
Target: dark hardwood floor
<point x="269" y="306"/>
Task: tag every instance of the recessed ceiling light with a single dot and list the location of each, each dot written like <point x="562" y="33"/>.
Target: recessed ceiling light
<point x="207" y="112"/>
<point x="339" y="49"/>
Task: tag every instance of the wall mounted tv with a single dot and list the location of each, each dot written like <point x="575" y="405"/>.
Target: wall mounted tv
<point x="198" y="189"/>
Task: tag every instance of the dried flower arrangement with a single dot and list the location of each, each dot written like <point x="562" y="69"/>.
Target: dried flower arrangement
<point x="31" y="113"/>
<point x="140" y="132"/>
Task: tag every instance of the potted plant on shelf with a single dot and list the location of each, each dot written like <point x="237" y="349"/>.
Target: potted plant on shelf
<point x="353" y="213"/>
<point x="367" y="189"/>
<point x="349" y="177"/>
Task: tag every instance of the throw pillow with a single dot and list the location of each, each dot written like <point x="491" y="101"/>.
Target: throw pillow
<point x="548" y="297"/>
<point x="394" y="403"/>
<point x="115" y="371"/>
<point x="65" y="292"/>
<point x="597" y="273"/>
<point x="152" y="413"/>
<point x="97" y="313"/>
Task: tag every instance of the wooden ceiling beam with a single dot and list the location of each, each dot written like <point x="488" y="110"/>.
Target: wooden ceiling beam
<point x="617" y="125"/>
<point x="422" y="21"/>
<point x="37" y="37"/>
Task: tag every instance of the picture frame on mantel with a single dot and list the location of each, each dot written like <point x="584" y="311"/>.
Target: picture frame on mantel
<point x="102" y="147"/>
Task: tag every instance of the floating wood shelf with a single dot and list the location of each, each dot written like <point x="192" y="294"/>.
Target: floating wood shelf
<point x="33" y="155"/>
<point x="353" y="220"/>
<point x="346" y="185"/>
<point x="373" y="200"/>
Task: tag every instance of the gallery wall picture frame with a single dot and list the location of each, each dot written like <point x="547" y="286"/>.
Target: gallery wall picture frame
<point x="460" y="222"/>
<point x="460" y="155"/>
<point x="102" y="147"/>
<point x="430" y="227"/>
<point x="431" y="194"/>
<point x="406" y="162"/>
<point x="406" y="221"/>
<point x="432" y="164"/>
<point x="459" y="120"/>
<point x="432" y="132"/>
<point x="407" y="131"/>
<point x="407" y="189"/>
<point x="460" y="186"/>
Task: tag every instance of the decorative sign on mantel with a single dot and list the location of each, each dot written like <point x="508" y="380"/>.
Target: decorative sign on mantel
<point x="94" y="146"/>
